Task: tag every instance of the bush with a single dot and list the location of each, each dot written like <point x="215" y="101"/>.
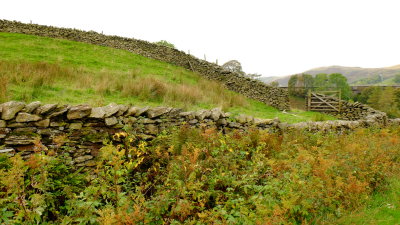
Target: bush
<point x="165" y="43"/>
<point x="203" y="176"/>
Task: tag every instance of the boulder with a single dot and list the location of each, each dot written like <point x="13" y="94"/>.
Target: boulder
<point x="216" y="114"/>
<point x="26" y="117"/>
<point x="3" y="123"/>
<point x="202" y="114"/>
<point x="10" y="109"/>
<point x="78" y="112"/>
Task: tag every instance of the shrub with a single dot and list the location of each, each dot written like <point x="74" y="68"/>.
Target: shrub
<point x="203" y="176"/>
<point x="165" y="43"/>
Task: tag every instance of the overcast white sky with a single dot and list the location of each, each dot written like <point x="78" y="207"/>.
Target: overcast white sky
<point x="270" y="37"/>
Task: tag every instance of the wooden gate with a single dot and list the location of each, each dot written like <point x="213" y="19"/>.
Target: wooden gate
<point x="324" y="101"/>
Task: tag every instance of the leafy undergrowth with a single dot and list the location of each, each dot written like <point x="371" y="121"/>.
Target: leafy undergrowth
<point x="59" y="71"/>
<point x="382" y="209"/>
<point x="194" y="176"/>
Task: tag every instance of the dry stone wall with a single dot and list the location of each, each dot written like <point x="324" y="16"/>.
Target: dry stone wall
<point x="80" y="130"/>
<point x="251" y="88"/>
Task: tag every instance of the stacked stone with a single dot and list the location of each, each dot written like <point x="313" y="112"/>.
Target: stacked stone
<point x="251" y="88"/>
<point x="81" y="130"/>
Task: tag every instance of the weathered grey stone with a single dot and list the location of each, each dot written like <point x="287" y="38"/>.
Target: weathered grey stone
<point x="222" y="122"/>
<point x="25" y="130"/>
<point x="122" y="110"/>
<point x="110" y="109"/>
<point x="31" y="107"/>
<point x="132" y="111"/>
<point x="129" y="120"/>
<point x="202" y="114"/>
<point x="233" y="125"/>
<point x="193" y="121"/>
<point x="111" y="121"/>
<point x="157" y="111"/>
<point x="216" y="114"/>
<point x="16" y="125"/>
<point x="98" y="113"/>
<point x="45" y="109"/>
<point x="19" y="140"/>
<point x="26" y="117"/>
<point x="10" y="109"/>
<point x="75" y="126"/>
<point x="263" y="122"/>
<point x="82" y="159"/>
<point x="43" y="123"/>
<point x="59" y="111"/>
<point x="78" y="112"/>
<point x="141" y="111"/>
<point x="189" y="115"/>
<point x="6" y="150"/>
<point x="3" y="123"/>
<point x="241" y="118"/>
<point x="147" y="121"/>
<point x="57" y="124"/>
<point x="151" y="129"/>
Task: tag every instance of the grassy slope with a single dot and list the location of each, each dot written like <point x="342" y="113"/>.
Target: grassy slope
<point x="63" y="71"/>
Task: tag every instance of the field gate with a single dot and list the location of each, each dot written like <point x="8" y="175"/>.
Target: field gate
<point x="324" y="101"/>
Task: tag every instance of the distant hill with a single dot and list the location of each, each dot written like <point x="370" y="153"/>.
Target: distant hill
<point x="355" y="75"/>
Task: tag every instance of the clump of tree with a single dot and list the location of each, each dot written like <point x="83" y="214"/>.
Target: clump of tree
<point x="165" y="43"/>
<point x="299" y="85"/>
<point x="386" y="99"/>
<point x="235" y="66"/>
<point x="274" y="84"/>
<point x="397" y="78"/>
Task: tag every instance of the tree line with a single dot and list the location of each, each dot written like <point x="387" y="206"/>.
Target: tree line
<point x="299" y="84"/>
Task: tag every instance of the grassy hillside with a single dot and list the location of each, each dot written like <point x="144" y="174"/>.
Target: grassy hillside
<point x="52" y="70"/>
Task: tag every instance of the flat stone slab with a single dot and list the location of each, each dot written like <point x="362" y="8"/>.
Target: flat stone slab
<point x="10" y="109"/>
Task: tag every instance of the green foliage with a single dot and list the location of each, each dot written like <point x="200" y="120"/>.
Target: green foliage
<point x="386" y="99"/>
<point x="165" y="43"/>
<point x="299" y="85"/>
<point x="201" y="176"/>
<point x="397" y="78"/>
<point x="334" y="81"/>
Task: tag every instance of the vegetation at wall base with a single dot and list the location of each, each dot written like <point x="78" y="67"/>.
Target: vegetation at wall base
<point x="201" y="176"/>
<point x="386" y="99"/>
<point x="50" y="70"/>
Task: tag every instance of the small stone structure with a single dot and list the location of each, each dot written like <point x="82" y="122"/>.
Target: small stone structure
<point x="250" y="88"/>
<point x="81" y="130"/>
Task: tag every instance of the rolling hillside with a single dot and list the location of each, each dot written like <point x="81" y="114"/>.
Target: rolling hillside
<point x="52" y="70"/>
<point x="355" y="75"/>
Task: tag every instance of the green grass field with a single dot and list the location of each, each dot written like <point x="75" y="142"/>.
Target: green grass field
<point x="52" y="70"/>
